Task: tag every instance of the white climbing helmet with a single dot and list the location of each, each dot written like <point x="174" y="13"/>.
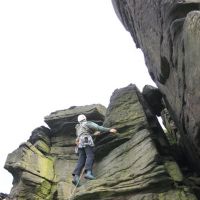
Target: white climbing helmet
<point x="81" y="118"/>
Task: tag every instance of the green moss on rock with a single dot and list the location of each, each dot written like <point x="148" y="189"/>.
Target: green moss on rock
<point x="42" y="146"/>
<point x="178" y="194"/>
<point x="174" y="171"/>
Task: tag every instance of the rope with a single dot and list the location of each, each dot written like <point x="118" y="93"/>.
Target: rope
<point x="73" y="192"/>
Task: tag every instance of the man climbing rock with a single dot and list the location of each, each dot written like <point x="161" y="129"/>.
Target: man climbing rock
<point x="85" y="144"/>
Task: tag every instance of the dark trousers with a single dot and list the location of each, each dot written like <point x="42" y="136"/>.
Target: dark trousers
<point x="86" y="158"/>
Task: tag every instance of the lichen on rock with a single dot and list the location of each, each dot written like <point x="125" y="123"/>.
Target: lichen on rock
<point x="134" y="164"/>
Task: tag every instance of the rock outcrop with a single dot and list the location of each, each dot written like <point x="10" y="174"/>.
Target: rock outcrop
<point x="134" y="164"/>
<point x="141" y="161"/>
<point x="3" y="196"/>
<point x="168" y="33"/>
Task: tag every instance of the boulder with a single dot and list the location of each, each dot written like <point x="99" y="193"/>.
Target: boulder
<point x="33" y="172"/>
<point x="40" y="138"/>
<point x="126" y="114"/>
<point x="154" y="97"/>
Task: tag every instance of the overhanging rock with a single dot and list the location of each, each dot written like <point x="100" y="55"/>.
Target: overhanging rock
<point x="168" y="33"/>
<point x="61" y="119"/>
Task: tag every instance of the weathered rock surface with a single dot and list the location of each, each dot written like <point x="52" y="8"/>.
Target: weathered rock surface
<point x="3" y="196"/>
<point x="139" y="168"/>
<point x="42" y="166"/>
<point x="168" y="33"/>
<point x="33" y="172"/>
<point x="154" y="99"/>
<point x="58" y="120"/>
<point x="140" y="162"/>
<point x="134" y="164"/>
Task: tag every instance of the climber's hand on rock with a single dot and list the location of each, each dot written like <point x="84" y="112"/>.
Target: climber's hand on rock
<point x="113" y="130"/>
<point x="77" y="141"/>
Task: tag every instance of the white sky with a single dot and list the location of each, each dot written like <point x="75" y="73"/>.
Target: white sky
<point x="57" y="54"/>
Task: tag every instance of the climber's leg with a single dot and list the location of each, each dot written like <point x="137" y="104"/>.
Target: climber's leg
<point x="81" y="162"/>
<point x="89" y="162"/>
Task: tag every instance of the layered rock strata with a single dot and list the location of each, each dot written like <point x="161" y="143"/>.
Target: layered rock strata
<point x="168" y="34"/>
<point x="134" y="164"/>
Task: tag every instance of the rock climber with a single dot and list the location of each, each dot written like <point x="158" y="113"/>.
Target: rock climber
<point x="85" y="144"/>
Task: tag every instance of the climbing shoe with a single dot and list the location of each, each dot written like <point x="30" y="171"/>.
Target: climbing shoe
<point x="89" y="175"/>
<point x="76" y="181"/>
